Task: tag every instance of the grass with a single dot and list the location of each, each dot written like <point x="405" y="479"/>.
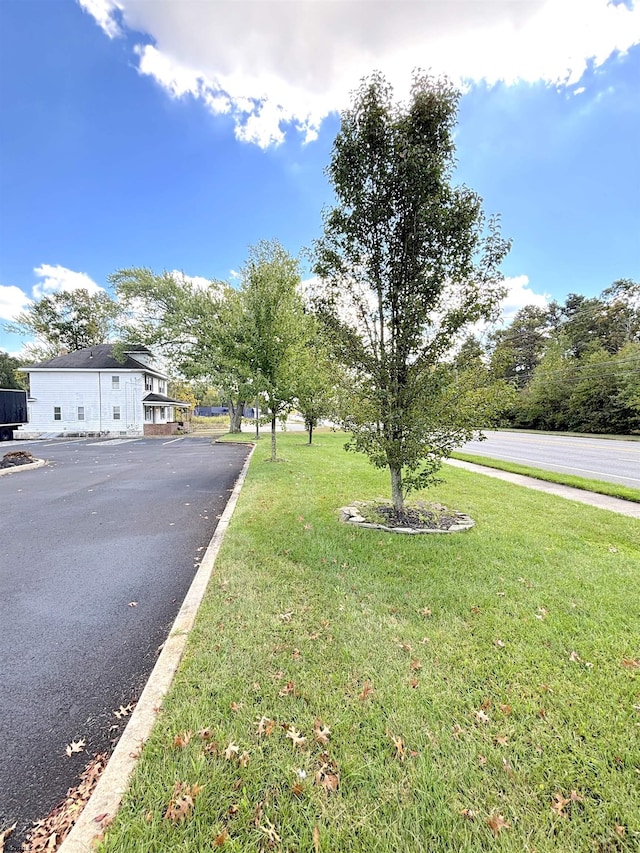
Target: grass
<point x="525" y="620"/>
<point x="614" y="490"/>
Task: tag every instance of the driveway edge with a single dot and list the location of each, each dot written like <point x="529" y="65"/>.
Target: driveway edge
<point x="105" y="800"/>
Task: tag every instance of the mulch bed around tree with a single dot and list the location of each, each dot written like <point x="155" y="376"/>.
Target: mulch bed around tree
<point x="17" y="457"/>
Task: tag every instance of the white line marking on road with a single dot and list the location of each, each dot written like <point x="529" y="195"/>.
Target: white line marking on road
<point x="173" y="440"/>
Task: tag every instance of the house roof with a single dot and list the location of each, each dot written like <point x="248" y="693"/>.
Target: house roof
<point x="99" y="357"/>
<point x="162" y="400"/>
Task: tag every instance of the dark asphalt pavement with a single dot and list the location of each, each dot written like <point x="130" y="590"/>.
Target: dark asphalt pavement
<point x="105" y="525"/>
<point x="612" y="460"/>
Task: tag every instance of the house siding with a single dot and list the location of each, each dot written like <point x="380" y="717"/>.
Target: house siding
<point x="91" y="390"/>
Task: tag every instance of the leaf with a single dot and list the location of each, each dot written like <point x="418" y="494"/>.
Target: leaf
<point x="231" y="751"/>
<point x="501" y="740"/>
<point x="500" y="644"/>
<point x="270" y="832"/>
<point x="286" y="617"/>
<point x="575" y="657"/>
<point x="235" y="706"/>
<point x="244" y="758"/>
<point x="321" y="732"/>
<point x="558" y="803"/>
<point x="620" y="831"/>
<point x="631" y="663"/>
<point x="468" y="813"/>
<point x="219" y="840"/>
<point x="426" y="612"/>
<point x="367" y="690"/>
<point x="316" y="839"/>
<point x="205" y="734"/>
<point x="296" y="737"/>
<point x="415" y="665"/>
<point x="401" y="750"/>
<point x="480" y="716"/>
<point x="75" y="746"/>
<point x="182" y="801"/>
<point x="506" y="709"/>
<point x="287" y="690"/>
<point x="4" y="834"/>
<point x="181" y="740"/>
<point x="497" y="823"/>
<point x="133" y="604"/>
<point x="124" y="710"/>
<point x="265" y="726"/>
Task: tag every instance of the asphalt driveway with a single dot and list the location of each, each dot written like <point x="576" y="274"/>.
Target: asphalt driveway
<point x="97" y="552"/>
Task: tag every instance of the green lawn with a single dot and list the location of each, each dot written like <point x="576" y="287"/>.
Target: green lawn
<point x="615" y="490"/>
<point x="468" y="682"/>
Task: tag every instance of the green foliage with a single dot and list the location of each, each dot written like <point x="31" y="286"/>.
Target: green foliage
<point x="65" y="322"/>
<point x="9" y="378"/>
<point x="406" y="266"/>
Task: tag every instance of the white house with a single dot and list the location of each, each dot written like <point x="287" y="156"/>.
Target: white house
<point x="90" y="391"/>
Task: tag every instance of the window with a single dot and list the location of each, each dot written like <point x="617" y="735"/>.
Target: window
<point x="115" y="383"/>
<point x="162" y="413"/>
<point x="148" y="413"/>
<point x="80" y="413"/>
<point x="148" y="383"/>
<point x="116" y="413"/>
<point x="57" y="413"/>
<point x="162" y="387"/>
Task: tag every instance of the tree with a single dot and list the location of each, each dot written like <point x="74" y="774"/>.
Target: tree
<point x="406" y="264"/>
<point x="517" y="350"/>
<point x="8" y="376"/>
<point x="273" y="324"/>
<point x="198" y="329"/>
<point x="65" y="322"/>
<point x="316" y="376"/>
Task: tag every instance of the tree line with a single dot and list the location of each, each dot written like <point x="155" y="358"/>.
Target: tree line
<point x="379" y="339"/>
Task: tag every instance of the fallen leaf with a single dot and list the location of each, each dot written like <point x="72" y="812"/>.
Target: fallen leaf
<point x="182" y="801"/>
<point x="270" y="832"/>
<point x="297" y="789"/>
<point x="219" y="840"/>
<point x="415" y="665"/>
<point x="296" y="737"/>
<point x="482" y="760"/>
<point x="75" y="746"/>
<point x="367" y="690"/>
<point x="265" y="726"/>
<point x="296" y="654"/>
<point x="499" y="644"/>
<point x="287" y="689"/>
<point x="205" y="734"/>
<point x="575" y="657"/>
<point x="321" y="732"/>
<point x="286" y="617"/>
<point x="244" y="758"/>
<point x="414" y="683"/>
<point x="558" y="803"/>
<point x="181" y="740"/>
<point x="576" y="797"/>
<point x="631" y="663"/>
<point x="124" y="710"/>
<point x="480" y="716"/>
<point x="497" y="823"/>
<point x="620" y="831"/>
<point x="468" y="813"/>
<point x="457" y="730"/>
<point x="501" y="740"/>
<point x="327" y="776"/>
<point x="133" y="604"/>
<point x="502" y="594"/>
<point x="5" y="834"/>
<point x="506" y="709"/>
<point x="425" y="612"/>
<point x="316" y="839"/>
<point x="235" y="706"/>
<point x="231" y="751"/>
<point x="401" y="752"/>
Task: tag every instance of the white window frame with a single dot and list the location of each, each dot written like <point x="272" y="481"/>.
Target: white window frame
<point x="80" y="413"/>
<point x="115" y="383"/>
<point x="116" y="413"/>
<point x="57" y="413"/>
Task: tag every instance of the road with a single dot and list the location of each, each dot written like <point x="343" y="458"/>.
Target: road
<point x="97" y="553"/>
<point x="612" y="460"/>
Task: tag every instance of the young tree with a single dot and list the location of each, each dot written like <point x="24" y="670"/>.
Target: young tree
<point x="274" y="325"/>
<point x="316" y="376"/>
<point x="406" y="266"/>
<point x="65" y="322"/>
<point x="8" y="376"/>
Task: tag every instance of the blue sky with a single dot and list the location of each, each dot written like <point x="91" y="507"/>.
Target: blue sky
<point x="173" y="135"/>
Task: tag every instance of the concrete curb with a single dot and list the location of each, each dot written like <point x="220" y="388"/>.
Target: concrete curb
<point x="113" y="783"/>
<point x="28" y="467"/>
<point x="618" y="505"/>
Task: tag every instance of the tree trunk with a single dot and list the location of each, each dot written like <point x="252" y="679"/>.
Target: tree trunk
<point x="310" y="432"/>
<point x="235" y="416"/>
<point x="273" y="438"/>
<point x="396" y="488"/>
<point x="257" y="418"/>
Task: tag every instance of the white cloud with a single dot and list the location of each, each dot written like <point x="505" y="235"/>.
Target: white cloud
<point x="12" y="301"/>
<point x="56" y="279"/>
<point x="519" y="294"/>
<point x="198" y="281"/>
<point x="271" y="63"/>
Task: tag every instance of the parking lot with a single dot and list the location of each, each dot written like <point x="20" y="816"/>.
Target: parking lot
<point x="98" y="549"/>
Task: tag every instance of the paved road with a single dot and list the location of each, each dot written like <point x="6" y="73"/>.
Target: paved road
<point x="105" y="525"/>
<point x="600" y="459"/>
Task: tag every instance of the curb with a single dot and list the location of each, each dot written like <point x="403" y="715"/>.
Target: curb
<point x="28" y="467"/>
<point x="105" y="799"/>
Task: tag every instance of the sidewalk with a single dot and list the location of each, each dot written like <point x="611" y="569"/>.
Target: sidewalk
<point x="628" y="508"/>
